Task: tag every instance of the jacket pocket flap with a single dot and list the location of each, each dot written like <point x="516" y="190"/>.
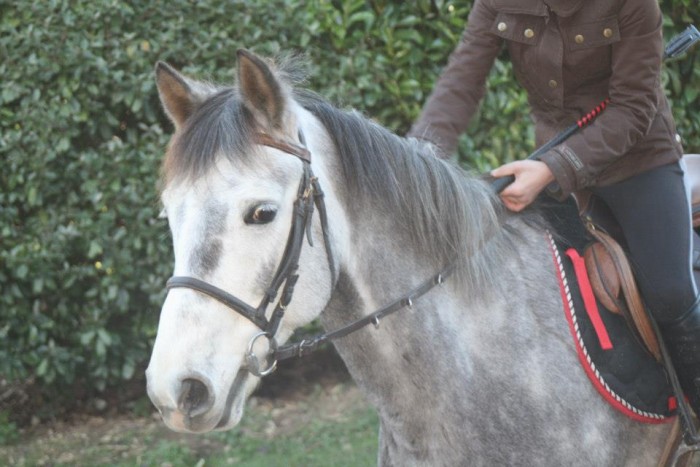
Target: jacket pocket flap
<point x="526" y="29"/>
<point x="605" y="31"/>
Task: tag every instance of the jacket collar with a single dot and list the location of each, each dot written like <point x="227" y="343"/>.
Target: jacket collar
<point x="562" y="8"/>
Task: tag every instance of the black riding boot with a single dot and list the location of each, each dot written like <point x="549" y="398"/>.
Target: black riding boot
<point x="682" y="338"/>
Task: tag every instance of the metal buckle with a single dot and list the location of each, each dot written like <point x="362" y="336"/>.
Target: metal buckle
<point x="300" y="352"/>
<point x="252" y="362"/>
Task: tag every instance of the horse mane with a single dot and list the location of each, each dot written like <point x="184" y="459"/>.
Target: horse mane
<point x="448" y="213"/>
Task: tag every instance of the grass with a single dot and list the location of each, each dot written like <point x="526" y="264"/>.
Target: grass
<point x="329" y="427"/>
<point x="350" y="443"/>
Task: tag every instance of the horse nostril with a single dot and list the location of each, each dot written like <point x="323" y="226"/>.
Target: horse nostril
<point x="194" y="397"/>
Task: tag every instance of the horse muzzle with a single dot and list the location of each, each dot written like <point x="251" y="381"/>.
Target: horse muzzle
<point x="191" y="404"/>
<point x="186" y="404"/>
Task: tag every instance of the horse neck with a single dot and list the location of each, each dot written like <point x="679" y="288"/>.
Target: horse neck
<point x="381" y="274"/>
<point x="379" y="268"/>
<point x="414" y="354"/>
<point x="400" y="364"/>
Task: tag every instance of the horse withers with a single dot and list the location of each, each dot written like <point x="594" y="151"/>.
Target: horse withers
<point x="480" y="369"/>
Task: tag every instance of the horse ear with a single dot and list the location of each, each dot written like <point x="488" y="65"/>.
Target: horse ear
<point x="176" y="93"/>
<point x="262" y="93"/>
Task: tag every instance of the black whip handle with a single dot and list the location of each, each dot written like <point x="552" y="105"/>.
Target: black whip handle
<point x="502" y="182"/>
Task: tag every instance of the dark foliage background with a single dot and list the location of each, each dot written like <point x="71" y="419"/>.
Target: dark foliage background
<point x="83" y="257"/>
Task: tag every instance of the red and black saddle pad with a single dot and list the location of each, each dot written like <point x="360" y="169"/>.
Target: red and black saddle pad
<point x="622" y="371"/>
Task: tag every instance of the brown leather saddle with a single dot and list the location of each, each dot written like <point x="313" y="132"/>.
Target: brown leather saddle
<point x="609" y="270"/>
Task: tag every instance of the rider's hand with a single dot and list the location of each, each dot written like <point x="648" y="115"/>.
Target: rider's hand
<point x="531" y="177"/>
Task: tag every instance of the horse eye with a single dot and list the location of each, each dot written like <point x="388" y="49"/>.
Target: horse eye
<point x="261" y="214"/>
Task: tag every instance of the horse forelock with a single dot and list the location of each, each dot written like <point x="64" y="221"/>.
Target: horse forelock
<point x="219" y="125"/>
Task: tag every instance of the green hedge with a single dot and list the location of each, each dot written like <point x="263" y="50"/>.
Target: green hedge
<point x="83" y="257"/>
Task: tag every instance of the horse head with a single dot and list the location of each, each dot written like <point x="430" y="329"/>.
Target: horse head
<point x="239" y="196"/>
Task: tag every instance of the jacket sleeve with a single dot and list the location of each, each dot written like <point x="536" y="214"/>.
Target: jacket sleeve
<point x="633" y="91"/>
<point x="459" y="89"/>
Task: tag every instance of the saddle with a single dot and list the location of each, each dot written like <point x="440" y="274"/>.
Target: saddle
<point x="610" y="274"/>
<point x="614" y="357"/>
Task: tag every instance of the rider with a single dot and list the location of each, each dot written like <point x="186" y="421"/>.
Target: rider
<point x="570" y="55"/>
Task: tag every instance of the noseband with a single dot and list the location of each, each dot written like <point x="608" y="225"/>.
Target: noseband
<point x="309" y="195"/>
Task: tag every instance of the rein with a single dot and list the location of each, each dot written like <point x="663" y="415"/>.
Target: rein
<point x="309" y="195"/>
<point x="306" y="346"/>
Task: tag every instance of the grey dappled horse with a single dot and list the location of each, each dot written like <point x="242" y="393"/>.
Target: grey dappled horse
<point x="481" y="370"/>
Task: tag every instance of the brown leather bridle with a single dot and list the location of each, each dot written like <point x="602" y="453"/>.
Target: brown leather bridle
<point x="309" y="195"/>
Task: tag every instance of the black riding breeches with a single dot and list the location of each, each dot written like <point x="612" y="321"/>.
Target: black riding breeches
<point x="653" y="211"/>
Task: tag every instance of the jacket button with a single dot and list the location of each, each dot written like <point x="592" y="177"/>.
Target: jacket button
<point x="553" y="84"/>
<point x="529" y="33"/>
<point x="502" y="26"/>
<point x="579" y="39"/>
<point x="607" y="32"/>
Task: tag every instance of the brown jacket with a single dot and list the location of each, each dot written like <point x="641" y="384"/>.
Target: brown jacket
<point x="568" y="63"/>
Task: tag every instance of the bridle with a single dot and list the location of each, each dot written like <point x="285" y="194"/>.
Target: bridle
<point x="309" y="195"/>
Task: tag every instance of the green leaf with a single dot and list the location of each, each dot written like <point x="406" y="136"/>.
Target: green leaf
<point x="22" y="271"/>
<point x="95" y="249"/>
<point x="42" y="368"/>
<point x="87" y="337"/>
<point x="104" y="337"/>
<point x="128" y="370"/>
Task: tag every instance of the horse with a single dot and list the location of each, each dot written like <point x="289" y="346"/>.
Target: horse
<point x="474" y="365"/>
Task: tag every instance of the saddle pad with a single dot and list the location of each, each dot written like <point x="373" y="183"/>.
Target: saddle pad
<point x="619" y="367"/>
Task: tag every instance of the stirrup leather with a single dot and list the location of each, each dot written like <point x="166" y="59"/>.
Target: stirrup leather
<point x="613" y="283"/>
